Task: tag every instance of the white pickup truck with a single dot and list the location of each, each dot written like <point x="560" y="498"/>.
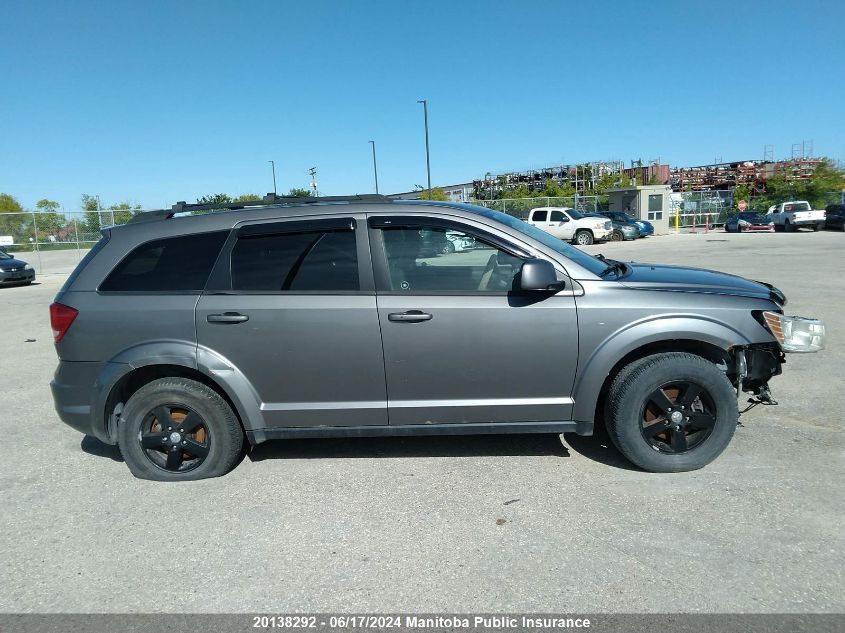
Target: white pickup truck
<point x="792" y="215"/>
<point x="567" y="224"/>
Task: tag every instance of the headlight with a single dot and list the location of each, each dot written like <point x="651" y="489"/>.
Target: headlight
<point x="27" y="267"/>
<point x="796" y="334"/>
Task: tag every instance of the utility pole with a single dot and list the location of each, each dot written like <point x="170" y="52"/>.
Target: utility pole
<point x="273" y="164"/>
<point x="313" y="173"/>
<point x="424" y="102"/>
<point x="375" y="168"/>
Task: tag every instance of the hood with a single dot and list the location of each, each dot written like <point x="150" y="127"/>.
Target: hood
<point x="11" y="263"/>
<point x="682" y="279"/>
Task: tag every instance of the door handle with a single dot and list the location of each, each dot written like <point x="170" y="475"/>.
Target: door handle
<point x="411" y="316"/>
<point x="227" y="317"/>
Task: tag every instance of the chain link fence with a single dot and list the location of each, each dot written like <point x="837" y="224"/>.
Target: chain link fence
<point x="54" y="242"/>
<point x="519" y="207"/>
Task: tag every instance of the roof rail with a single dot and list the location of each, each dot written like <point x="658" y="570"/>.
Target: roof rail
<point x="268" y="200"/>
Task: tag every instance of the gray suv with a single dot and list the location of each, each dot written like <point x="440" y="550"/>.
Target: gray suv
<point x="183" y="335"/>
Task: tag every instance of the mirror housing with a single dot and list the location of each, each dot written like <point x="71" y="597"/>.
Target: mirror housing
<point x="538" y="274"/>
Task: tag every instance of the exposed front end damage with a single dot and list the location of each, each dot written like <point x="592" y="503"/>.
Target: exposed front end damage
<point x="753" y="367"/>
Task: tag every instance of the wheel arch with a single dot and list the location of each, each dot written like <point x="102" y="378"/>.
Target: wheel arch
<point x="132" y="369"/>
<point x="707" y="339"/>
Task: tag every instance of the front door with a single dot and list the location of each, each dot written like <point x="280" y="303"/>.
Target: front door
<point x="460" y="345"/>
<point x="291" y="305"/>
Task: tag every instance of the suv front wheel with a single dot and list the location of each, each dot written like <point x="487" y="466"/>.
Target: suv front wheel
<point x="671" y="412"/>
<point x="584" y="237"/>
<point x="176" y="429"/>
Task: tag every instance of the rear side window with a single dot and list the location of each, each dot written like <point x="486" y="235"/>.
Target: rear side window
<point x="171" y="264"/>
<point x="539" y="216"/>
<point x="296" y="262"/>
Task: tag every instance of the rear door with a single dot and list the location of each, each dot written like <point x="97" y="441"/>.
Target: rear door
<point x="291" y="305"/>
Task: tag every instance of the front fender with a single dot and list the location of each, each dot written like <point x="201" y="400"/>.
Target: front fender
<point x="594" y="369"/>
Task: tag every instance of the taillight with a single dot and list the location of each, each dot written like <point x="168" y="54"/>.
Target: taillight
<point x="61" y="316"/>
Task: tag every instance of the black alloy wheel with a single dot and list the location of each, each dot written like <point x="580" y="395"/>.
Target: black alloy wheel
<point x="677" y="417"/>
<point x="175" y="438"/>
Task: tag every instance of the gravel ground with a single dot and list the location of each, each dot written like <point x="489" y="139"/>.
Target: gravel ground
<point x="481" y="524"/>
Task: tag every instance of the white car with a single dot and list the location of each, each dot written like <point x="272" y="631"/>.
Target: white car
<point x="567" y="224"/>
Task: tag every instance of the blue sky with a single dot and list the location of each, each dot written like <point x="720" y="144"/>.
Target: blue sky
<point x="151" y="102"/>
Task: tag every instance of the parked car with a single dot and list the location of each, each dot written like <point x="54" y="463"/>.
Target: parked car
<point x="570" y="225"/>
<point x="795" y="214"/>
<point x="749" y="221"/>
<point x="834" y="217"/>
<point x="620" y="231"/>
<point x="645" y="227"/>
<point x="14" y="271"/>
<point x="180" y="338"/>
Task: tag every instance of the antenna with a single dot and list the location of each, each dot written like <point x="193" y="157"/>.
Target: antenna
<point x="313" y="173"/>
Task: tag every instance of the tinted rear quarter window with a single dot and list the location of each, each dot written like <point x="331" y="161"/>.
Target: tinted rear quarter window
<point x="171" y="264"/>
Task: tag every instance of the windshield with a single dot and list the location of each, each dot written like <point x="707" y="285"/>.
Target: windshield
<point x="581" y="258"/>
<point x="574" y="214"/>
<point x="4" y="254"/>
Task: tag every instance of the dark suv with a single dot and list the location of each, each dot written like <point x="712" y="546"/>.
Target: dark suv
<point x="179" y="336"/>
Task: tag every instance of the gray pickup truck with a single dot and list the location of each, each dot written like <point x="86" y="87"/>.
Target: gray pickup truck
<point x="184" y="336"/>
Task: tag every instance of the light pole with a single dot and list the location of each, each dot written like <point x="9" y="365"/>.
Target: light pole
<point x="427" y="160"/>
<point x="273" y="165"/>
<point x="375" y="168"/>
<point x="489" y="178"/>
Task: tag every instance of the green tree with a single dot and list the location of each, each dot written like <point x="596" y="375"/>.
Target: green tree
<point x="437" y="194"/>
<point x="296" y="192"/>
<point x="785" y="186"/>
<point x="122" y="212"/>
<point x="13" y="225"/>
<point x="215" y="198"/>
<point x="610" y="180"/>
<point x="50" y="206"/>
<point x="247" y="197"/>
<point x="9" y="204"/>
<point x="91" y="224"/>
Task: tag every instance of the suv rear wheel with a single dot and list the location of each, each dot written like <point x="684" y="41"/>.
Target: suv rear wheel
<point x="671" y="412"/>
<point x="175" y="429"/>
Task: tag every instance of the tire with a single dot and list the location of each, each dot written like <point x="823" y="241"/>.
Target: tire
<point x="632" y="414"/>
<point x="816" y="227"/>
<point x="616" y="236"/>
<point x="778" y="228"/>
<point x="787" y="226"/>
<point x="583" y="238"/>
<point x="210" y="448"/>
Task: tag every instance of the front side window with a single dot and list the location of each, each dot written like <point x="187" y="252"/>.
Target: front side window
<point x="172" y="264"/>
<point x="433" y="259"/>
<point x="308" y="261"/>
<point x="589" y="262"/>
<point x="557" y="216"/>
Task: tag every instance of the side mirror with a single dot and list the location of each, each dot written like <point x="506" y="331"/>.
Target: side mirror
<point x="538" y="274"/>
